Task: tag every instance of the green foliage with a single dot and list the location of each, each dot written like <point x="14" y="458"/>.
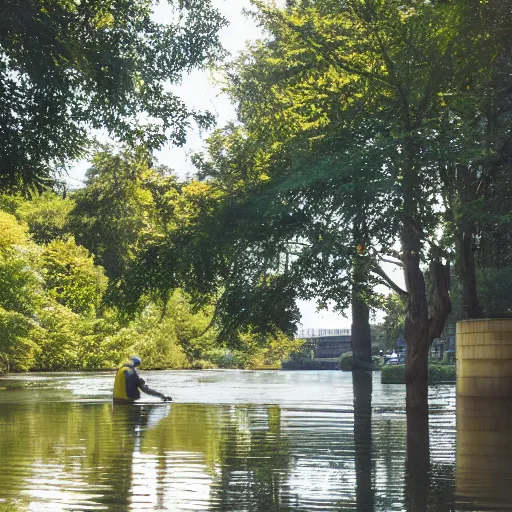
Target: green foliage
<point x="118" y="213"/>
<point x="71" y="276"/>
<point x="46" y="216"/>
<point x="10" y="203"/>
<point x="304" y="352"/>
<point x="68" y="67"/>
<point x="275" y="349"/>
<point x="495" y="287"/>
<point x="255" y="352"/>
<point x="312" y="364"/>
<point x="346" y="362"/>
<point x="203" y="364"/>
<point x="17" y="350"/>
<point x="58" y="339"/>
<point x="12" y="233"/>
<point x="56" y="289"/>
<point x="395" y="373"/>
<point x="191" y="326"/>
<point x="20" y="283"/>
<point x="394" y="307"/>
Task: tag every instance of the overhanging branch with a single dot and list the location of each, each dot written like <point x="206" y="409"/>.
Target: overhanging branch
<point x="388" y="280"/>
<point x="398" y="263"/>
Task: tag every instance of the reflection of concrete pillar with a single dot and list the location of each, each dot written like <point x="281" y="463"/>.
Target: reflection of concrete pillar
<point x="484" y="411"/>
<point x="484" y="450"/>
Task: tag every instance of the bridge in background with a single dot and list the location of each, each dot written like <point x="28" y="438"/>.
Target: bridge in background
<point x="327" y="343"/>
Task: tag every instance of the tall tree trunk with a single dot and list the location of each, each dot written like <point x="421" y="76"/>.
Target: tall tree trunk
<point x="425" y="319"/>
<point x="362" y="385"/>
<point x="416" y="324"/>
<point x="424" y="322"/>
<point x="468" y="273"/>
<point x="361" y="336"/>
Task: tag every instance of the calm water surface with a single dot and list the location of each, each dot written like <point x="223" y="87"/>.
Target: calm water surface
<point x="231" y="441"/>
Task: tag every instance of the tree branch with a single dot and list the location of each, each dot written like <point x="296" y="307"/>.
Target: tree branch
<point x="398" y="263"/>
<point x="388" y="280"/>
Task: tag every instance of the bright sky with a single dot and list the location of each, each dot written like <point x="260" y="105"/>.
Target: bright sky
<point x="199" y="91"/>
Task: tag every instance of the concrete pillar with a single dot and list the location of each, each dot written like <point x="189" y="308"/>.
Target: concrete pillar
<point x="484" y="413"/>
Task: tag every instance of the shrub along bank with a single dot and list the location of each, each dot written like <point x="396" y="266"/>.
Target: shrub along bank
<point x="395" y="374"/>
<point x="346" y="362"/>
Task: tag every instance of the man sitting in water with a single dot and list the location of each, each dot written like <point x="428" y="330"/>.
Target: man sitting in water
<point x="128" y="383"/>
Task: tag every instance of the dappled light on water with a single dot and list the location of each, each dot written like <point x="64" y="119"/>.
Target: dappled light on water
<point x="231" y="441"/>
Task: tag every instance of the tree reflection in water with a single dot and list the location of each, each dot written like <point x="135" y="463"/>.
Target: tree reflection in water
<point x="417" y="463"/>
<point x="323" y="456"/>
<point x="255" y="464"/>
<point x="362" y="384"/>
<point x="429" y="485"/>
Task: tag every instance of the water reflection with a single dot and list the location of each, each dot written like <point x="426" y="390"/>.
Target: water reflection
<point x="362" y="383"/>
<point x="349" y="455"/>
<point x="417" y="461"/>
<point x="484" y="452"/>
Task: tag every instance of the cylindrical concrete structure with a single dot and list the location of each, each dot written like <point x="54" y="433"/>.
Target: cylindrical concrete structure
<point x="484" y="412"/>
<point x="484" y="357"/>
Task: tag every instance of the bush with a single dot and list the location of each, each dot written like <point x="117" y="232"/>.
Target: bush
<point x="17" y="350"/>
<point x="441" y="373"/>
<point x="57" y="338"/>
<point x="311" y="364"/>
<point x="346" y="362"/>
<point x="202" y="364"/>
<point x="395" y="374"/>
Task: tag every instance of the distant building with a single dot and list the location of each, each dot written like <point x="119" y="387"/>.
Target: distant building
<point x="328" y="343"/>
<point x="317" y="333"/>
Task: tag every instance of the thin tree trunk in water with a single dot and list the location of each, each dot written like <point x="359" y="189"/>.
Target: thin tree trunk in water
<point x="361" y="336"/>
<point x="416" y="323"/>
<point x="417" y="463"/>
<point x="362" y="385"/>
<point x="422" y="323"/>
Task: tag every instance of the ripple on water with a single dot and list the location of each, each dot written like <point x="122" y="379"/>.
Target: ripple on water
<point x="232" y="441"/>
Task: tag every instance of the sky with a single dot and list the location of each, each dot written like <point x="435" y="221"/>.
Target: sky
<point x="199" y="90"/>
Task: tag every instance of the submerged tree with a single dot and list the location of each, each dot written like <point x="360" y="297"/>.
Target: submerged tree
<point x="344" y="109"/>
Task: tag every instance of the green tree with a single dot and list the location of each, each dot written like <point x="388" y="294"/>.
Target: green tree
<point x="57" y="339"/>
<point x="46" y="215"/>
<point x="71" y="277"/>
<point x="153" y="338"/>
<point x="20" y="279"/>
<point x="12" y="233"/>
<point x="117" y="211"/>
<point x="17" y="350"/>
<point x="20" y="284"/>
<point x="475" y="139"/>
<point x="68" y="67"/>
<point x="394" y="307"/>
<point x="349" y="102"/>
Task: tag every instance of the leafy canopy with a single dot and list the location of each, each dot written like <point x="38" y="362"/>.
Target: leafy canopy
<point x="67" y="67"/>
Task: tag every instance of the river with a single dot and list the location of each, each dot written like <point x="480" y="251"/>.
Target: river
<point x="230" y="441"/>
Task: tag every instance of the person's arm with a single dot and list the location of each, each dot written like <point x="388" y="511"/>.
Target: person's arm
<point x="146" y="389"/>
